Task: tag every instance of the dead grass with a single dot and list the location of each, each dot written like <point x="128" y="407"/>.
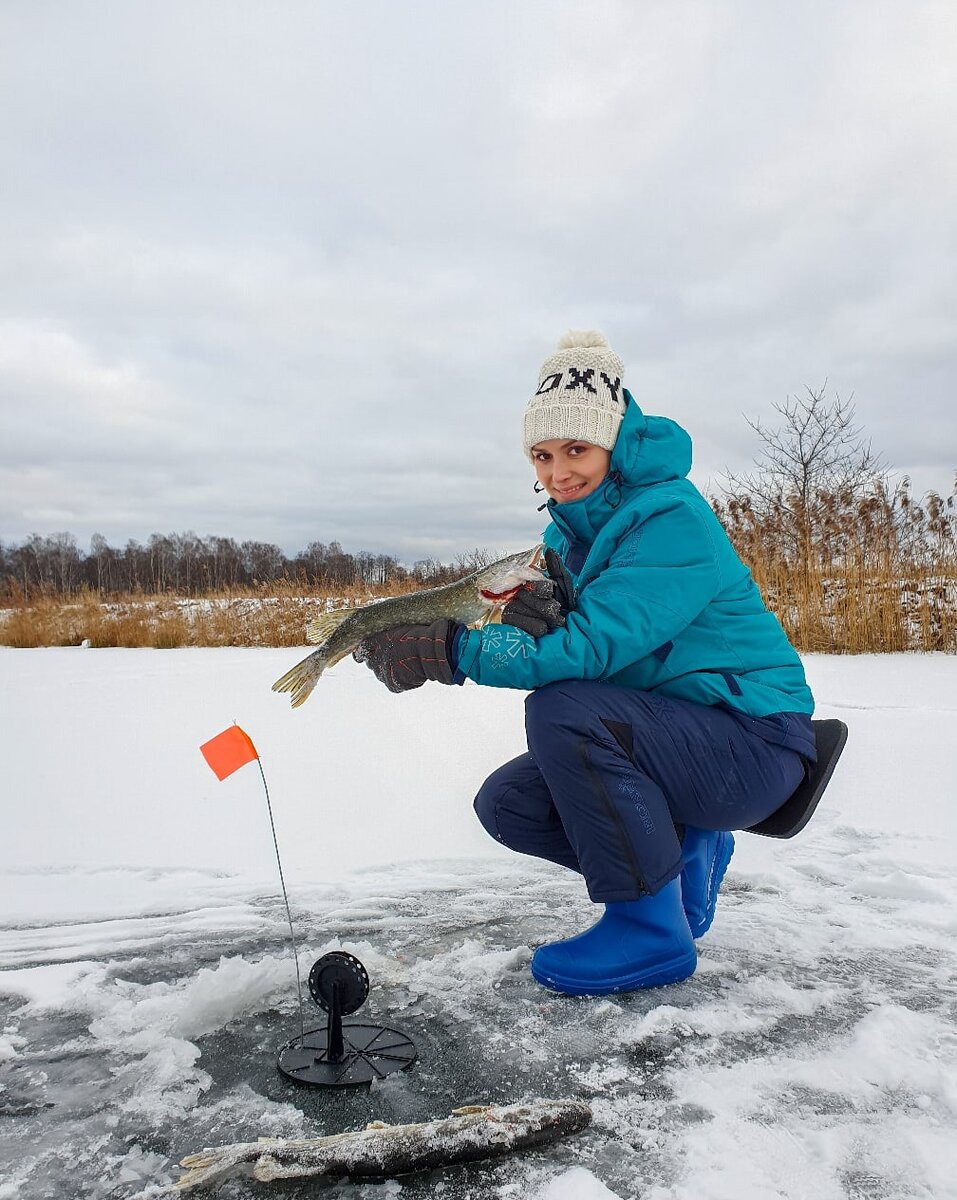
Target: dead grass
<point x="244" y="617"/>
<point x="852" y="611"/>
<point x="855" y="609"/>
<point x="124" y="622"/>
<point x="853" y="571"/>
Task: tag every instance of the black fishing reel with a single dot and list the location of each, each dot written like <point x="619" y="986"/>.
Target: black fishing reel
<point x="343" y="1055"/>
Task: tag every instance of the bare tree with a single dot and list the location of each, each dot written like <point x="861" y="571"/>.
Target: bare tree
<point x="183" y="563"/>
<point x="816" y="457"/>
<point x="104" y="557"/>
<point x="262" y="561"/>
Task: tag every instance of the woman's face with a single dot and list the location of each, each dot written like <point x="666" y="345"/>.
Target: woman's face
<point x="569" y="470"/>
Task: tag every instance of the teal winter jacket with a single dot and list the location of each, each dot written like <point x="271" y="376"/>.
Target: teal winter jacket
<point x="664" y="604"/>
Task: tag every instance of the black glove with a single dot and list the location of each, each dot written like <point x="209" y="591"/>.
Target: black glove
<point x="564" y="585"/>
<point x="534" y="609"/>
<point x="541" y="607"/>
<point x="406" y="656"/>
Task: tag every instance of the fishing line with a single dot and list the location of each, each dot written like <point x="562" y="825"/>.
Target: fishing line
<point x="285" y="896"/>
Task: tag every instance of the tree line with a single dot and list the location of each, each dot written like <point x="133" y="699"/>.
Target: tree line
<point x="185" y="564"/>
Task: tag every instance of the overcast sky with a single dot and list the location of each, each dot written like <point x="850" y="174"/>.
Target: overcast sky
<point x="287" y="271"/>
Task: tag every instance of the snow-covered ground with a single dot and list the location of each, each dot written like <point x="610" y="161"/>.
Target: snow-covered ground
<point x="146" y="980"/>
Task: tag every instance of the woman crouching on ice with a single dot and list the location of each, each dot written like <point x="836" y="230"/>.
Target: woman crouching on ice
<point x="667" y="706"/>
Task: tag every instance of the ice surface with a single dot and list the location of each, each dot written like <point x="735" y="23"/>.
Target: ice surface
<point x="146" y="980"/>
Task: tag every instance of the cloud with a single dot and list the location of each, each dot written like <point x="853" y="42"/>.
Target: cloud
<point x="288" y="271"/>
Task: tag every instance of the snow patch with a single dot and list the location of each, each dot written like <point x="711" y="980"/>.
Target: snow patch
<point x="576" y="1184"/>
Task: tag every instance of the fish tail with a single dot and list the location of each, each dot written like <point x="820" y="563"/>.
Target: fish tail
<point x="301" y="679"/>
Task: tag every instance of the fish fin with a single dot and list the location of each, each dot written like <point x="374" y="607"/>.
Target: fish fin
<point x="331" y="662"/>
<point x="205" y="1158"/>
<point x="320" y="629"/>
<point x="491" y="616"/>
<point x="301" y="679"/>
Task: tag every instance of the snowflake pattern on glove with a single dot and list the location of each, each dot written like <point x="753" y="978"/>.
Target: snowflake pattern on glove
<point x="505" y="642"/>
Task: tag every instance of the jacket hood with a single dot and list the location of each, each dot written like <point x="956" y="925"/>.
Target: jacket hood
<point x="648" y="450"/>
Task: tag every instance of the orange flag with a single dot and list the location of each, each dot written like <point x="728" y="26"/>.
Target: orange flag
<point x="228" y="751"/>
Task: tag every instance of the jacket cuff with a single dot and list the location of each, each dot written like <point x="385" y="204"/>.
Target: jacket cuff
<point x="458" y="633"/>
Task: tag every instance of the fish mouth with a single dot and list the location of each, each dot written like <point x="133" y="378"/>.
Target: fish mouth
<point x="505" y="597"/>
<point x="502" y="581"/>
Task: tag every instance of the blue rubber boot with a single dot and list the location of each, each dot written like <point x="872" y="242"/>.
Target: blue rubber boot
<point x="636" y="944"/>
<point x="706" y="855"/>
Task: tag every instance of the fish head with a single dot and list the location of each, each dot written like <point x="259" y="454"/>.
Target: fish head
<point x="503" y="580"/>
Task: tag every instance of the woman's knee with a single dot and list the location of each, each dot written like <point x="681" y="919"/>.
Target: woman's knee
<point x="486" y="806"/>
<point x="518" y="775"/>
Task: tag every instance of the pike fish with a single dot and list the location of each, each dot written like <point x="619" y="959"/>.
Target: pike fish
<point x="471" y="600"/>
<point x="383" y="1151"/>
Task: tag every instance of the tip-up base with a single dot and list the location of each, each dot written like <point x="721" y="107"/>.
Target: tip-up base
<point x="368" y="1052"/>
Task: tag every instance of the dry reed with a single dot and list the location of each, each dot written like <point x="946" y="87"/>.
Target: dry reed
<point x="849" y="574"/>
<point x="852" y="610"/>
<point x="853" y="571"/>
<point x="240" y="617"/>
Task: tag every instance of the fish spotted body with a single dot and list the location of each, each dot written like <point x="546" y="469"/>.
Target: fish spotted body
<point x="381" y="1151"/>
<point x="470" y="600"/>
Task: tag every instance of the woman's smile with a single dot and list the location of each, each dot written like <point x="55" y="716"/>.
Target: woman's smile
<point x="567" y="492"/>
<point x="569" y="470"/>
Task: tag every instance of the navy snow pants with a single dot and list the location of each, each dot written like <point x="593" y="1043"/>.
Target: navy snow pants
<point x="610" y="772"/>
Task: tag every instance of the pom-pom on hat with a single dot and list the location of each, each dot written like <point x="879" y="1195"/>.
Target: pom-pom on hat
<point x="580" y="393"/>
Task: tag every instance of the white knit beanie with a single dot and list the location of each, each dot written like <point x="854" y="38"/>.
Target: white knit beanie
<point x="579" y="393"/>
